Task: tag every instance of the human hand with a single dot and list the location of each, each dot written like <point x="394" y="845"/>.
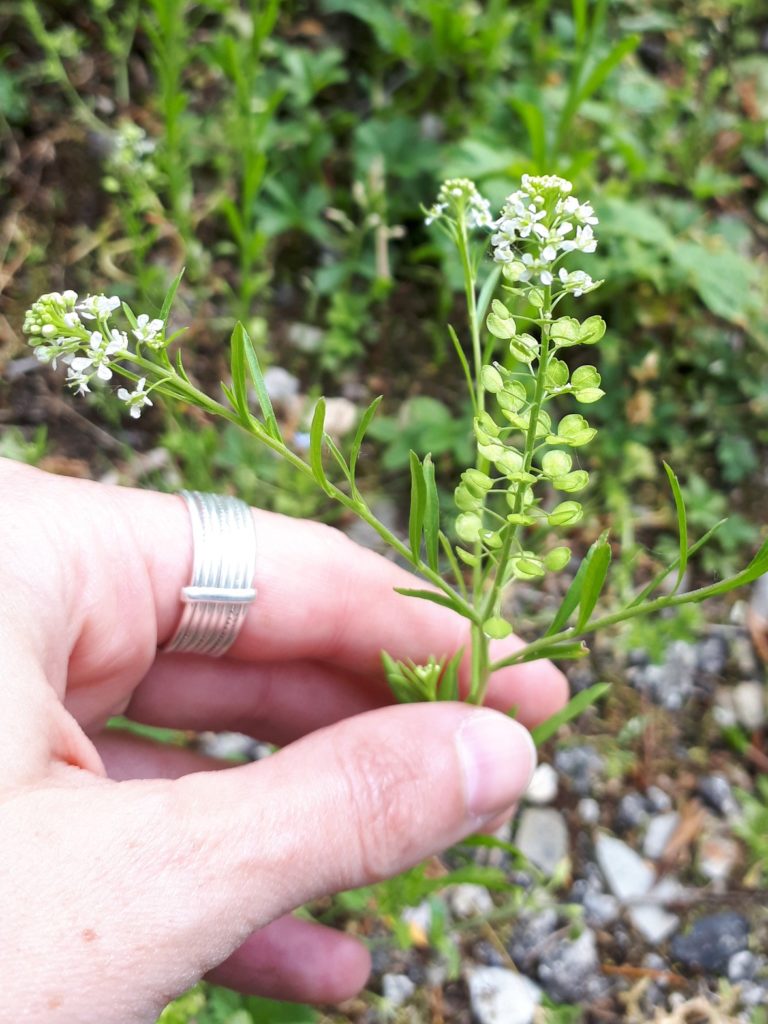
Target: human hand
<point x="130" y="870"/>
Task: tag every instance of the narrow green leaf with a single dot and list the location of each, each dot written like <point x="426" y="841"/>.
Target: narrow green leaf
<point x="180" y="369"/>
<point x="604" y="67"/>
<point x="265" y="404"/>
<point x="465" y="367"/>
<point x="436" y="597"/>
<point x="334" y="450"/>
<point x="418" y="505"/>
<point x="594" y="579"/>
<point x="431" y="514"/>
<point x="230" y="396"/>
<point x="682" y="524"/>
<point x="357" y="442"/>
<point x="237" y="369"/>
<point x="450" y="554"/>
<point x="575" y="706"/>
<point x="758" y="566"/>
<point x="170" y="295"/>
<point x="659" y="579"/>
<point x="573" y="594"/>
<point x="316" y="446"/>
<point x="449" y="680"/>
<point x="565" y="650"/>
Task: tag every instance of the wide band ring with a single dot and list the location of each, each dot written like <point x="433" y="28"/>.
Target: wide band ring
<point x="217" y="598"/>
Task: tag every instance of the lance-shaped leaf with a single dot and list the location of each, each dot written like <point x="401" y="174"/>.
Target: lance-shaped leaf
<point x="594" y="579"/>
<point x="448" y="687"/>
<point x="257" y="377"/>
<point x="574" y="707"/>
<point x="170" y="295"/>
<point x="682" y="525"/>
<point x="316" y="436"/>
<point x="573" y="596"/>
<point x="238" y="393"/>
<point x="418" y="505"/>
<point x="436" y="597"/>
<point x="357" y="442"/>
<point x="431" y="514"/>
<point x="564" y="650"/>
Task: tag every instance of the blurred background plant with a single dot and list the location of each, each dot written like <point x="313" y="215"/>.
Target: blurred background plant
<point x="281" y="151"/>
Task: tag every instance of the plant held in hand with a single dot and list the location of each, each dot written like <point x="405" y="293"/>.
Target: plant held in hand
<point x="526" y="471"/>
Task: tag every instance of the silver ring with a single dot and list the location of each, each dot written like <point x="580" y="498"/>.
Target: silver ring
<point x="224" y="564"/>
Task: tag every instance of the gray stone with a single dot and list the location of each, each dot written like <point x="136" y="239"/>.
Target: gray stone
<point x="715" y="790"/>
<point x="341" y="417"/>
<point x="743" y="656"/>
<point x="568" y="969"/>
<point x="712" y="941"/>
<point x="626" y="873"/>
<point x="749" y="704"/>
<point x="588" y="810"/>
<point x="600" y="909"/>
<point x="542" y="789"/>
<point x="542" y="836"/>
<point x="281" y="385"/>
<point x="742" y="966"/>
<point x="631" y="811"/>
<point x="531" y="934"/>
<point x="469" y="900"/>
<point x="397" y="989"/>
<point x="660" y="831"/>
<point x="753" y="993"/>
<point x="671" y="683"/>
<point x="658" y="801"/>
<point x="712" y="654"/>
<point x="306" y="337"/>
<point x="650" y="918"/>
<point x="581" y="766"/>
<point x="499" y="996"/>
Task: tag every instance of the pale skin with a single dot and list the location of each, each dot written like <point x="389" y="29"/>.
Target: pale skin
<point x="129" y="871"/>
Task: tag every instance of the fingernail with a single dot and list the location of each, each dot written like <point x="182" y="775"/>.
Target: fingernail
<point x="498" y="757"/>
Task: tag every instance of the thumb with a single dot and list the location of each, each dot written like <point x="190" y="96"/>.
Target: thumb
<point x="160" y="881"/>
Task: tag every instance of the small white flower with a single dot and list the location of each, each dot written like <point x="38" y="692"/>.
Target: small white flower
<point x="69" y="296"/>
<point x="77" y="378"/>
<point x="584" y="241"/>
<point x="577" y="281"/>
<point x="71" y="319"/>
<point x="147" y="331"/>
<point x="136" y="399"/>
<point x="98" y="306"/>
<point x="434" y="213"/>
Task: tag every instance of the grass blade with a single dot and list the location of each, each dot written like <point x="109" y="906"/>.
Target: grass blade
<point x="435" y="596"/>
<point x="594" y="579"/>
<point x="316" y="435"/>
<point x="575" y="706"/>
<point x="682" y="524"/>
<point x="431" y="514"/>
<point x="170" y="295"/>
<point x="418" y="505"/>
<point x="357" y="442"/>
<point x="254" y="369"/>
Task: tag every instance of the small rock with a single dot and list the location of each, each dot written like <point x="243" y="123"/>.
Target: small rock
<point x="660" y="831"/>
<point x="305" y="337"/>
<point x="743" y="657"/>
<point x="712" y="654"/>
<point x="419" y="921"/>
<point x="581" y="766"/>
<point x="717" y="857"/>
<point x="650" y="917"/>
<point x="588" y="810"/>
<point x="671" y="683"/>
<point x="752" y="993"/>
<point x="600" y="909"/>
<point x="742" y="966"/>
<point x="469" y="900"/>
<point x="712" y="941"/>
<point x="625" y="871"/>
<point x="749" y="704"/>
<point x="542" y="789"/>
<point x="631" y="812"/>
<point x="531" y="934"/>
<point x="341" y="417"/>
<point x="542" y="836"/>
<point x="499" y="996"/>
<point x="568" y="969"/>
<point x="484" y="952"/>
<point x="397" y="989"/>
<point x="230" y="746"/>
<point x="658" y="801"/>
<point x="281" y="385"/>
<point x="715" y="790"/>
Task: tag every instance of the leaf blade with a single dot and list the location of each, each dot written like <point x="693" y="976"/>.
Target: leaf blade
<point x="418" y="505"/>
<point x="431" y="514"/>
<point x="682" y="524"/>
<point x="575" y="706"/>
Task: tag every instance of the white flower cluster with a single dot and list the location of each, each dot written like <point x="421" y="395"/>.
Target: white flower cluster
<point x="457" y="196"/>
<point x="61" y="328"/>
<point x="539" y="224"/>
